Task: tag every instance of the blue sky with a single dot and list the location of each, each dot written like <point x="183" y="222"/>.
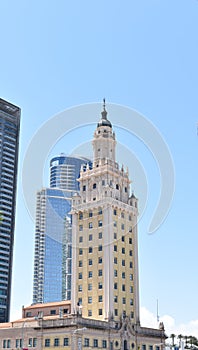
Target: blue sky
<point x="142" y="54"/>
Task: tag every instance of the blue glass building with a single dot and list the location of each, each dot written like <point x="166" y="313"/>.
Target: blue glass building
<point x="52" y="259"/>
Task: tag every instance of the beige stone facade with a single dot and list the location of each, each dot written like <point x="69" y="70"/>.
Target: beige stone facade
<point x="77" y="333"/>
<point x="105" y="247"/>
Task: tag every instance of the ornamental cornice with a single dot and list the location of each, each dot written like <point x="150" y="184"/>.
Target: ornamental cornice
<point x="105" y="202"/>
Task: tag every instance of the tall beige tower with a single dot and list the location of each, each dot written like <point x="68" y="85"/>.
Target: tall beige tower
<point x="104" y="229"/>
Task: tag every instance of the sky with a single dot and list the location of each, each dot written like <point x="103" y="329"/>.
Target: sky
<point x="139" y="54"/>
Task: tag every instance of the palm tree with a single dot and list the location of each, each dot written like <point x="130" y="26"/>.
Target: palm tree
<point x="172" y="336"/>
<point x="186" y="341"/>
<point x="180" y="336"/>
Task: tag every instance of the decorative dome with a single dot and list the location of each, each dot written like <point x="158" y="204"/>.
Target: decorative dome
<point x="104" y="121"/>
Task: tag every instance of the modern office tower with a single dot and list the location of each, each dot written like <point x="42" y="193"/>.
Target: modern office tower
<point x="9" y="143"/>
<point x="64" y="170"/>
<point x="104" y="231"/>
<point x="52" y="259"/>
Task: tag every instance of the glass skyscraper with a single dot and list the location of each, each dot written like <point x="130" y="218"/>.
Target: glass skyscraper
<point x="64" y="171"/>
<point x="52" y="260"/>
<point x="9" y="142"/>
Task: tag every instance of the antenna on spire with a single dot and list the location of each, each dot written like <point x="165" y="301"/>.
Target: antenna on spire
<point x="104" y="112"/>
<point x="157" y="312"/>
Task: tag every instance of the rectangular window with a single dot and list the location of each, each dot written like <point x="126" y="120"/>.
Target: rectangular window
<point x="47" y="343"/>
<point x="80" y="275"/>
<point x="99" y="211"/>
<point x="80" y="227"/>
<point x="143" y="346"/>
<point x="103" y="182"/>
<point x="99" y="272"/>
<point x="130" y="218"/>
<point x="123" y="262"/>
<point x="100" y="285"/>
<point x="114" y="212"/>
<point x="123" y="274"/>
<point x="52" y="312"/>
<point x="130" y="230"/>
<point x="100" y="260"/>
<point x="150" y="347"/>
<point x="86" y="342"/>
<point x="115" y="260"/>
<point x="18" y="343"/>
<point x="80" y="251"/>
<point x="89" y="286"/>
<point x="115" y="299"/>
<point x="104" y="344"/>
<point x="123" y="287"/>
<point x="100" y="223"/>
<point x="65" y="341"/>
<point x="131" y="265"/>
<point x="100" y="298"/>
<point x="123" y="238"/>
<point x="115" y="273"/>
<point x="131" y="301"/>
<point x="90" y="262"/>
<point x="80" y="216"/>
<point x="90" y="274"/>
<point x="116" y="312"/>
<point x="131" y="277"/>
<point x="122" y="215"/>
<point x="80" y="288"/>
<point x="89" y="312"/>
<point x="56" y="342"/>
<point x="115" y="286"/>
<point x="130" y="240"/>
<point x="122" y="226"/>
<point x="90" y="237"/>
<point x="130" y="252"/>
<point x="115" y="248"/>
<point x="117" y="187"/>
<point x="8" y="343"/>
<point x="80" y="239"/>
<point x="89" y="300"/>
<point x="80" y="263"/>
<point x="115" y="235"/>
<point x="84" y="188"/>
<point x="123" y="300"/>
<point x="90" y="214"/>
<point x="131" y="289"/>
<point x="4" y="343"/>
<point x="94" y="186"/>
<point x="100" y="248"/>
<point x="100" y="312"/>
<point x="100" y="235"/>
<point x="90" y="250"/>
<point x="115" y="223"/>
<point x="90" y="225"/>
<point x="123" y="250"/>
<point x="95" y="343"/>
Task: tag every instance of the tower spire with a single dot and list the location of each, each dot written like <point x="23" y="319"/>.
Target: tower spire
<point x="104" y="112"/>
